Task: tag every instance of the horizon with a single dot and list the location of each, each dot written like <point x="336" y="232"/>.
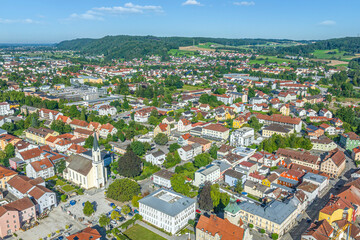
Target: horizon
<point x="33" y="22"/>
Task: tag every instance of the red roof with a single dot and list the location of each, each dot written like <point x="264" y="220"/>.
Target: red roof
<point x="86" y="234"/>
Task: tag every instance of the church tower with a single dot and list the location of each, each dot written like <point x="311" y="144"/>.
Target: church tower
<point x="98" y="165"/>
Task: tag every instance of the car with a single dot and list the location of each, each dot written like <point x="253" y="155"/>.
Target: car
<point x="122" y="219"/>
<point x="308" y="220"/>
<point x="130" y="214"/>
<point x="198" y="211"/>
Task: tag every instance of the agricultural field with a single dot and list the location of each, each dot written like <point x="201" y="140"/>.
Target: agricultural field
<point x="272" y="59"/>
<point x="332" y="55"/>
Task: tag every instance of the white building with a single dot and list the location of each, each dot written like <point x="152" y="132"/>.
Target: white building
<point x="321" y="181"/>
<point x="106" y="110"/>
<point x="5" y="108"/>
<point x="162" y="178"/>
<point x="42" y="168"/>
<point x="209" y="173"/>
<point x="156" y="158"/>
<point x="242" y="137"/>
<point x="190" y="151"/>
<point x="167" y="210"/>
<point x="184" y="125"/>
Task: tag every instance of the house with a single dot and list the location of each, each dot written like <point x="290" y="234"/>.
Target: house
<point x="302" y="158"/>
<point x="14" y="215"/>
<point x="5" y="175"/>
<point x="120" y="147"/>
<point x="349" y="140"/>
<point x="85" y="234"/>
<point x="215" y="132"/>
<point x="106" y="110"/>
<point x="49" y="114"/>
<point x="156" y="158"/>
<point x="39" y="135"/>
<point x="290" y="178"/>
<point x="169" y="120"/>
<point x="167" y="210"/>
<point x="255" y="177"/>
<point x="224" y="150"/>
<point x="232" y="177"/>
<point x="242" y="137"/>
<point x="217" y="228"/>
<point x="183" y="139"/>
<point x="204" y="107"/>
<point x="321" y="181"/>
<point x="6" y="139"/>
<point x="82" y="133"/>
<point x="334" y="163"/>
<point x="285" y="110"/>
<point x="43" y="168"/>
<point x="107" y="129"/>
<point x="331" y="130"/>
<point x="325" y="113"/>
<point x="206" y="145"/>
<point x="275" y="128"/>
<point x="314" y="131"/>
<point x="323" y="144"/>
<point x="209" y="173"/>
<point x="189" y="151"/>
<point x="162" y="178"/>
<point x="88" y="172"/>
<point x="184" y="125"/>
<point x="270" y="180"/>
<point x="22" y="186"/>
<point x="320" y="230"/>
<point x="246" y="167"/>
<point x="337" y="208"/>
<point x="337" y="122"/>
<point x="76" y="123"/>
<point x="162" y="128"/>
<point x="311" y="191"/>
<point x="255" y="189"/>
<point x="355" y="154"/>
<point x="274" y="217"/>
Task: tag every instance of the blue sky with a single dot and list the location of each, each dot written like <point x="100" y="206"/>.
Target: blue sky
<point x="51" y="21"/>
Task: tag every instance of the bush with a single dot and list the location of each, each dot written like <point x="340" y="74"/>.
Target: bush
<point x="191" y="222"/>
<point x="63" y="198"/>
<point x="262" y="230"/>
<point x="274" y="236"/>
<point x="88" y="209"/>
<point x="251" y="225"/>
<point x="123" y="190"/>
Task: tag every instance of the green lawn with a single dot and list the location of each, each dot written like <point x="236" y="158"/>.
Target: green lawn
<point x="180" y="53"/>
<point x="138" y="232"/>
<point x="68" y="188"/>
<point x="272" y="59"/>
<point x="60" y="182"/>
<point x="331" y="54"/>
<point x="190" y="88"/>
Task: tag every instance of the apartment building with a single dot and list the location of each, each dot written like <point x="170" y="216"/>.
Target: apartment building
<point x="162" y="178"/>
<point x="275" y="128"/>
<point x="167" y="210"/>
<point x="39" y="135"/>
<point x="188" y="152"/>
<point x="334" y="163"/>
<point x="295" y="123"/>
<point x="209" y="173"/>
<point x="302" y="158"/>
<point x="349" y="140"/>
<point x="242" y="137"/>
<point x="5" y="175"/>
<point x="323" y="144"/>
<point x="215" y="132"/>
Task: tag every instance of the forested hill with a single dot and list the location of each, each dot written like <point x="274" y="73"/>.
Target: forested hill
<point x="348" y="44"/>
<point x="129" y="47"/>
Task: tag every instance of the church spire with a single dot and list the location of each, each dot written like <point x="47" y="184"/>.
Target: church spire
<point x="95" y="143"/>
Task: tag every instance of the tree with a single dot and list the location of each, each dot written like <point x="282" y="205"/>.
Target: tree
<point x="114" y="215"/>
<point x="179" y="185"/>
<point x="129" y="165"/>
<point x="63" y="197"/>
<point x="89" y="141"/>
<point x="125" y="209"/>
<point x="213" y="151"/>
<point x="173" y="147"/>
<point x="328" y="98"/>
<point x="274" y="236"/>
<point x="135" y="201"/>
<point x="138" y="148"/>
<point x="88" y="209"/>
<point x="161" y="139"/>
<point x="10" y="150"/>
<point x="172" y="159"/>
<point x="34" y="122"/>
<point x="123" y="190"/>
<point x="153" y="120"/>
<point x="104" y="220"/>
<point x="238" y="187"/>
<point x="202" y="160"/>
<point x="255" y="124"/>
<point x="205" y="200"/>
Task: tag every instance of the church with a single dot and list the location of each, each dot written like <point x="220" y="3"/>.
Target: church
<point x="86" y="171"/>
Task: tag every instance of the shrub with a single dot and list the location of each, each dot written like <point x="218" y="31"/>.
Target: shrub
<point x="251" y="225"/>
<point x="262" y="230"/>
<point x="63" y="198"/>
<point x="274" y="236"/>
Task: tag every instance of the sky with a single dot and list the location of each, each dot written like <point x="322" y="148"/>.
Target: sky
<point x="52" y="21"/>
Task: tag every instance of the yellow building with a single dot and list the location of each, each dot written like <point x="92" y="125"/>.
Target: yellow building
<point x="162" y="128"/>
<point x="5" y="176"/>
<point x="285" y="110"/>
<point x="6" y="139"/>
<point x="39" y="135"/>
<point x="238" y="122"/>
<point x="266" y="182"/>
<point x="336" y="209"/>
<point x="229" y="115"/>
<point x="272" y="129"/>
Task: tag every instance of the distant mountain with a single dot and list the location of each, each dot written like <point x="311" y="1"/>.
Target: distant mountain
<point x="129" y="47"/>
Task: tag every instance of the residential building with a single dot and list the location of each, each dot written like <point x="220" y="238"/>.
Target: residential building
<point x="188" y="152"/>
<point x="42" y="168"/>
<point x="162" y="128"/>
<point x="232" y="177"/>
<point x="321" y="181"/>
<point x="85" y="171"/>
<point x="323" y="144"/>
<point x="275" y="128"/>
<point x="5" y="109"/>
<point x="320" y="230"/>
<point x="167" y="210"/>
<point x="285" y="110"/>
<point x="295" y="123"/>
<point x="39" y="135"/>
<point x="106" y="110"/>
<point x="325" y="113"/>
<point x="49" y="114"/>
<point x="184" y="125"/>
<point x="242" y="137"/>
<point x="349" y="140"/>
<point x="337" y="208"/>
<point x="5" y="175"/>
<point x="6" y="139"/>
<point x="15" y="214"/>
<point x="107" y="129"/>
<point x="85" y="234"/>
<point x="209" y="173"/>
<point x="162" y="178"/>
<point x="334" y="163"/>
<point x="206" y="145"/>
<point x="302" y="158"/>
<point x="156" y="158"/>
<point x="215" y="228"/>
<point x="215" y="132"/>
<point x="355" y="154"/>
<point x="255" y="189"/>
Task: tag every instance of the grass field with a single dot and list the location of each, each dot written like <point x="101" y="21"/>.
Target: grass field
<point x="138" y="232"/>
<point x="272" y="59"/>
<point x="180" y="53"/>
<point x="326" y="54"/>
<point x="68" y="188"/>
<point x="189" y="88"/>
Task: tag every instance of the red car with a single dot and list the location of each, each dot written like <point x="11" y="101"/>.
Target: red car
<point x="198" y="211"/>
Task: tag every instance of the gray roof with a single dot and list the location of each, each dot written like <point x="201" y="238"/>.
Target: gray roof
<point x="173" y="207"/>
<point x="158" y="153"/>
<point x="208" y="169"/>
<point x="80" y="164"/>
<point x="275" y="211"/>
<point x="234" y="174"/>
<point x="164" y="174"/>
<point x="314" y="177"/>
<point x="95" y="143"/>
<point x="222" y="164"/>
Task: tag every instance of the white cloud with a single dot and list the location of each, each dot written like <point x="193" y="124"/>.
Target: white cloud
<point x="245" y="3"/>
<point x="191" y="2"/>
<point x="327" y="23"/>
<point x="98" y="13"/>
<point x="27" y="20"/>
